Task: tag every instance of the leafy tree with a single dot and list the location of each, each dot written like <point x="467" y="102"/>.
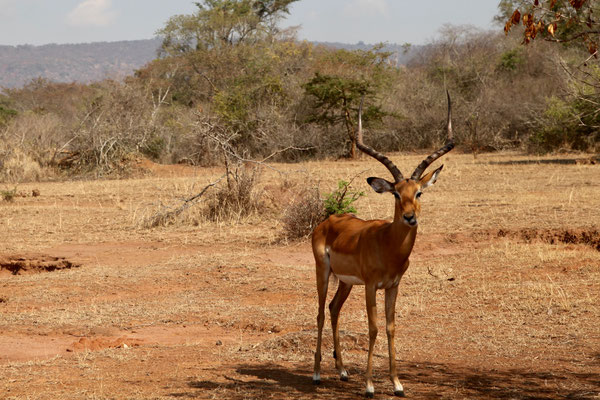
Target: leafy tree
<point x="336" y="95"/>
<point x="572" y="120"/>
<point x="219" y="23"/>
<point x="560" y="21"/>
<point x="336" y="101"/>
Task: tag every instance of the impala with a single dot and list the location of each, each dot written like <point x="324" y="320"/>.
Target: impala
<point x="372" y="253"/>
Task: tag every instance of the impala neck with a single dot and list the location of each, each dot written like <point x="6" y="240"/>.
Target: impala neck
<point x="403" y="235"/>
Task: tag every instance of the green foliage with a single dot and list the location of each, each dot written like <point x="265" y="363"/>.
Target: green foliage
<point x="336" y="100"/>
<point x="334" y="97"/>
<point x="341" y="201"/>
<point x="6" y="114"/>
<point x="566" y="124"/>
<point x="511" y="60"/>
<point x="219" y="23"/>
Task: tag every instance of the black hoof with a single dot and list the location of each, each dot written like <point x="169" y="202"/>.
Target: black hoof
<point x="316" y="382"/>
<point x="344" y="378"/>
<point x="369" y="395"/>
<point x="399" y="393"/>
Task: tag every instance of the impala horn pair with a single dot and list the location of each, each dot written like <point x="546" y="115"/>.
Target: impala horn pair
<point x="416" y="175"/>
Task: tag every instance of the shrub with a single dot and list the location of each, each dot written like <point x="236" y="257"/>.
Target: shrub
<point x="309" y="209"/>
<point x="303" y="215"/>
<point x="8" y="195"/>
<point x="341" y="200"/>
<point x="566" y="124"/>
<point x="238" y="198"/>
<point x="17" y="166"/>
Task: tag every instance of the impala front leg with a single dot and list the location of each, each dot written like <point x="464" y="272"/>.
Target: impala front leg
<point x="390" y="313"/>
<point x="371" y="297"/>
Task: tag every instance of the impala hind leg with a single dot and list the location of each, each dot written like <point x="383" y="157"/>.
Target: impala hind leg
<point x="334" y="307"/>
<point x="390" y="313"/>
<point x="370" y="294"/>
<point x="322" y="284"/>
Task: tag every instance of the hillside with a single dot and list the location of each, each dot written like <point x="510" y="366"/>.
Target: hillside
<point x="89" y="62"/>
<point x="86" y="62"/>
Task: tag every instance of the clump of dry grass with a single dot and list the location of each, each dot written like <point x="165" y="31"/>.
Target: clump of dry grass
<point x="17" y="166"/>
<point x="304" y="214"/>
<point x="237" y="199"/>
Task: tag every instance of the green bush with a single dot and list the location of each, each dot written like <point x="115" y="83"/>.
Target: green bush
<point x="6" y="114"/>
<point x="341" y="201"/>
<point x="567" y="124"/>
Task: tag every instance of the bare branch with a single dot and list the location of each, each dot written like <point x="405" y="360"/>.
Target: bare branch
<point x="168" y="214"/>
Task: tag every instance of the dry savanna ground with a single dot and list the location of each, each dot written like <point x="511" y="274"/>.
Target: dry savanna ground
<point x="502" y="298"/>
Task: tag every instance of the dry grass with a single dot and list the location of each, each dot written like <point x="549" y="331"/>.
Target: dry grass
<point x="479" y="316"/>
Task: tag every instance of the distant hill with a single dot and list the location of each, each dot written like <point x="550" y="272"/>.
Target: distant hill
<point x="86" y="62"/>
<point x="90" y="62"/>
<point x="401" y="54"/>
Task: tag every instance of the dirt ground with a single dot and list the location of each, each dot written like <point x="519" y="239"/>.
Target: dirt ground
<point x="501" y="301"/>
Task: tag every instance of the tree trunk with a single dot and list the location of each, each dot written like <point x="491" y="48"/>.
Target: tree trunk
<point x="350" y="130"/>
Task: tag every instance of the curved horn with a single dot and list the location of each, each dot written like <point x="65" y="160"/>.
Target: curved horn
<point x="376" y="155"/>
<point x="446" y="148"/>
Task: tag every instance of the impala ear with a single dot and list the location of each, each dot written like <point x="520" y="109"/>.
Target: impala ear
<point x="380" y="185"/>
<point x="430" y="178"/>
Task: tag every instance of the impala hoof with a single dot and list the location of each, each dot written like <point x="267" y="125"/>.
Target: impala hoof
<point x="344" y="376"/>
<point x="399" y="393"/>
<point x="369" y="395"/>
<point x="316" y="378"/>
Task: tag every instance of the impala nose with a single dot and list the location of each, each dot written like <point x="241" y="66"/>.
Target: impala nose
<point x="410" y="218"/>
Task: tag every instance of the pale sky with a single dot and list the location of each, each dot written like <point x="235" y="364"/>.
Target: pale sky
<point x="372" y="21"/>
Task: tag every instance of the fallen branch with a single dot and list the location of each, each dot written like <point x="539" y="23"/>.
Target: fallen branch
<point x="168" y="214"/>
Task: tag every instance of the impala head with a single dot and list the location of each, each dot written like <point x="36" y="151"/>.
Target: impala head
<point x="406" y="191"/>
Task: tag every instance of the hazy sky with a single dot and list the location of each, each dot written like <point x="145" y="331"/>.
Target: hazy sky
<point x="395" y="21"/>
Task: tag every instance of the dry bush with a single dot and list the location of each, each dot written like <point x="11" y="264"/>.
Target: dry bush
<point x="237" y="199"/>
<point x="303" y="214"/>
<point x="17" y="166"/>
<point x="28" y="144"/>
<point x="497" y="86"/>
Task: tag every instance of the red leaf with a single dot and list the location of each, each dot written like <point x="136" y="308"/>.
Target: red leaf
<point x="577" y="3"/>
<point x="516" y="17"/>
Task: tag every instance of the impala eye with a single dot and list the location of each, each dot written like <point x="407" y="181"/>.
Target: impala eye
<point x="418" y="195"/>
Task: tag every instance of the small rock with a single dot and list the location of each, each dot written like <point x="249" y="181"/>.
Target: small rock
<point x="35" y="192"/>
<point x="276" y="329"/>
<point x="219" y="343"/>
